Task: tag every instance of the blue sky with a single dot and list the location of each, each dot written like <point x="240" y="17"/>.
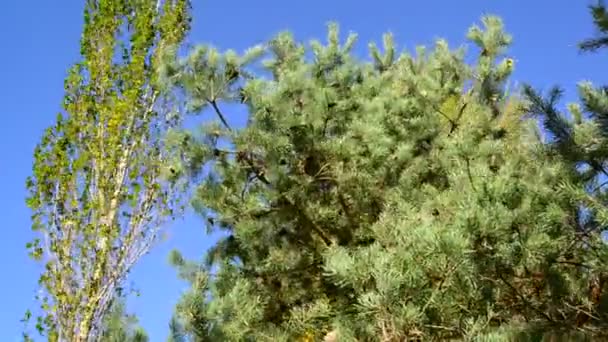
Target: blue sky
<point x="40" y="41"/>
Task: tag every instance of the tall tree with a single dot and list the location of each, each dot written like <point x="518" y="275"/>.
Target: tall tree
<point x="380" y="201"/>
<point x="99" y="190"/>
<point x="579" y="136"/>
<point x="377" y="201"/>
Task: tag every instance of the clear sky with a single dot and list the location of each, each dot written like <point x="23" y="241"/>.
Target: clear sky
<point x="40" y="40"/>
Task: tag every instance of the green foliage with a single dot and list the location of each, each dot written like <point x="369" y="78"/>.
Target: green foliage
<point x="600" y="20"/>
<point x="399" y="198"/>
<point x="404" y="197"/>
<point x="580" y="139"/>
<point x="118" y="326"/>
<point x="98" y="190"/>
<point x="176" y="331"/>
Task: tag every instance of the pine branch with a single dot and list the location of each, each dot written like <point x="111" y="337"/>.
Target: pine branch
<point x="523" y="299"/>
<point x="469" y="174"/>
<point x="220" y="115"/>
<point x="457" y="120"/>
<point x="591" y="45"/>
<point x="309" y="222"/>
<point x="600" y="20"/>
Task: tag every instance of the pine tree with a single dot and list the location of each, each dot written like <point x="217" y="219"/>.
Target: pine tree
<point x="98" y="190"/>
<point x="579" y="137"/>
<point x="176" y="331"/>
<point x="406" y="197"/>
<point x="118" y="326"/>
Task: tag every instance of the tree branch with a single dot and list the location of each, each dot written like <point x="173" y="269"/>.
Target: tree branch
<point x="523" y="299"/>
<point x="219" y="114"/>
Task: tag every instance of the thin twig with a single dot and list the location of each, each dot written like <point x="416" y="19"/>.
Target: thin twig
<point x="572" y="263"/>
<point x="578" y="309"/>
<point x="219" y="114"/>
<point x="516" y="291"/>
<point x="448" y="274"/>
<point x="457" y="120"/>
<point x="432" y="326"/>
<point x="599" y="187"/>
<point x="468" y="162"/>
<point x="452" y="123"/>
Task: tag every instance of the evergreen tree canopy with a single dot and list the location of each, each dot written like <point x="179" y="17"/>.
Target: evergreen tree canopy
<point x="403" y="197"/>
